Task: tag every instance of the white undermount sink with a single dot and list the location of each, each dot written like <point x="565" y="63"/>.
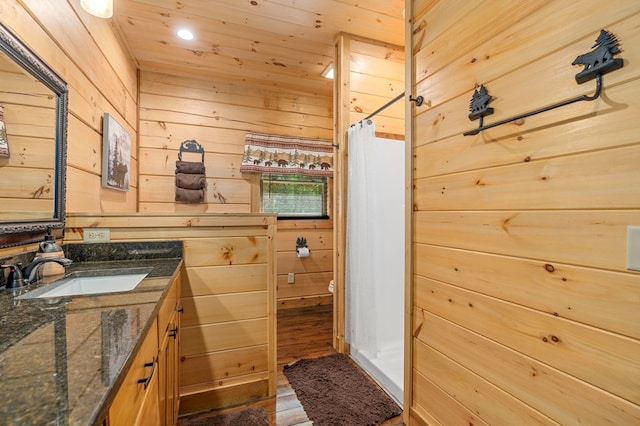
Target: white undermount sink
<point x="91" y="282"/>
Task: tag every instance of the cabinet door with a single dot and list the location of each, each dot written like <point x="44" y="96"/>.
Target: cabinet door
<point x="176" y="351"/>
<point x="163" y="376"/>
<point x="168" y="365"/>
<point x="172" y="372"/>
<point x="149" y="413"/>
<point x="133" y="393"/>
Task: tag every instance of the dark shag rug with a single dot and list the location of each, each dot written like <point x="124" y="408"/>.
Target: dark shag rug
<point x="336" y="392"/>
<point x="254" y="416"/>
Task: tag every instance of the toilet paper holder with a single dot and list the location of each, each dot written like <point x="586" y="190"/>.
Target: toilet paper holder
<point x="301" y="242"/>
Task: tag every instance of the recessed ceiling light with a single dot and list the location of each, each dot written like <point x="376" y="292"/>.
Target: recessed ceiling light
<point x="99" y="8"/>
<point x="185" y="34"/>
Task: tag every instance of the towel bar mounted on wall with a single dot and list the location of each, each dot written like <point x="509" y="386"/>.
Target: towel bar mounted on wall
<point x="191" y="146"/>
<point x="191" y="178"/>
<point x="596" y="63"/>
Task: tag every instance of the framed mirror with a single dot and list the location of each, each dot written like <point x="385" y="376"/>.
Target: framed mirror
<point x="33" y="141"/>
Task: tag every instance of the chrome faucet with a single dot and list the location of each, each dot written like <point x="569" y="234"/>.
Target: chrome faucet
<point x="31" y="270"/>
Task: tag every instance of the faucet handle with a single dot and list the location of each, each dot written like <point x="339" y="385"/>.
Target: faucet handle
<point x="15" y="278"/>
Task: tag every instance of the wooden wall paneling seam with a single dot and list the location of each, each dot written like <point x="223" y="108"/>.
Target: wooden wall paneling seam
<point x="224" y="336"/>
<point x="155" y="220"/>
<point x="235" y="93"/>
<point x="556" y="183"/>
<point x="341" y="102"/>
<point x="162" y="162"/>
<point x="492" y="404"/>
<point x="563" y="344"/>
<point x="218" y="191"/>
<point x="306" y="224"/>
<point x="76" y="234"/>
<point x="223" y="364"/>
<point x="223" y="308"/>
<point x="184" y="208"/>
<point x="409" y="115"/>
<point x="232" y="392"/>
<point x="317" y="239"/>
<point x="172" y="109"/>
<point x="600" y="298"/>
<point x="226" y="279"/>
<point x="594" y="239"/>
<point x="305" y="301"/>
<point x="434" y="406"/>
<point x="211" y="390"/>
<point x="272" y="310"/>
<point x="564" y="398"/>
<point x="161" y="135"/>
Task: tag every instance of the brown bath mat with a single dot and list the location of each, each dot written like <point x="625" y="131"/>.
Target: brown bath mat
<point x="336" y="392"/>
<point x="254" y="416"/>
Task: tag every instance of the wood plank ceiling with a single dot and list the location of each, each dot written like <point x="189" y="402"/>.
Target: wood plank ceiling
<point x="280" y="43"/>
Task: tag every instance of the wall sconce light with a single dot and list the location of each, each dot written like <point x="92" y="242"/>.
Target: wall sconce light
<point x="99" y="8"/>
<point x="328" y="71"/>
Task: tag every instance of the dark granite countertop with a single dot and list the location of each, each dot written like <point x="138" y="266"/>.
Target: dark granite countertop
<point x="63" y="359"/>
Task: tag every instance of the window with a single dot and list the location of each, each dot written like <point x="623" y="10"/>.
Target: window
<point x="294" y="195"/>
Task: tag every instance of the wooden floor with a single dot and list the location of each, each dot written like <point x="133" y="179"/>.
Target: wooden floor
<point x="302" y="333"/>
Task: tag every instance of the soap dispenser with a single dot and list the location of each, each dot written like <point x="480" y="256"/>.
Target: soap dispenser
<point x="49" y="248"/>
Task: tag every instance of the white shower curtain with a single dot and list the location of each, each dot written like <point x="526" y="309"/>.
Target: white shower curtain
<point x="375" y="240"/>
<point x="361" y="301"/>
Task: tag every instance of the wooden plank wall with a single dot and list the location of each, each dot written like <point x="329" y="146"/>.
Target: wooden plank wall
<point x="376" y="76"/>
<point x="228" y="343"/>
<point x="101" y="78"/>
<point x="312" y="274"/>
<point x="524" y="310"/>
<point x="218" y="114"/>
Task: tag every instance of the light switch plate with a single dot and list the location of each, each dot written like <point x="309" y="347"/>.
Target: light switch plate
<point x="291" y="278"/>
<point x="633" y="248"/>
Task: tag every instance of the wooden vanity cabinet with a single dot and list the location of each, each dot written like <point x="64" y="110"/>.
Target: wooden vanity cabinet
<point x="156" y="402"/>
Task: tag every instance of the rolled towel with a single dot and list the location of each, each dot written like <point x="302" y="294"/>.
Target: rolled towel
<point x="189" y="195"/>
<point x="190" y="167"/>
<point x="190" y="181"/>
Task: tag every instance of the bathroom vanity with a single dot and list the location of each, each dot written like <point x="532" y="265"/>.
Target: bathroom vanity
<point x="92" y="359"/>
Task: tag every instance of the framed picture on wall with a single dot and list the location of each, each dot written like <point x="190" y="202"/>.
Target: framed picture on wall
<point x="116" y="154"/>
<point x="4" y="143"/>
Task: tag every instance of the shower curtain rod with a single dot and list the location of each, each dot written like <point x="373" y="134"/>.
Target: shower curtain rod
<point x="385" y="106"/>
<point x="418" y="101"/>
